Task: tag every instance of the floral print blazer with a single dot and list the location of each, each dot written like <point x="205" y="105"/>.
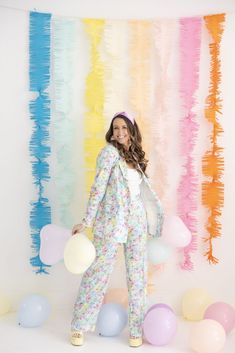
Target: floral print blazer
<point x="108" y="205"/>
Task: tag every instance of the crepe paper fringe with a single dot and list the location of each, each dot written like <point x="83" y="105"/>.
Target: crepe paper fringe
<point x="190" y="43"/>
<point x="159" y="119"/>
<point x="63" y="44"/>
<point x="213" y="161"/>
<point x="141" y="38"/>
<point x="39" y="75"/>
<point x="94" y="122"/>
<point x="115" y="68"/>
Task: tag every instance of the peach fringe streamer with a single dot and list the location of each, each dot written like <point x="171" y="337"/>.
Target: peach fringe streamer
<point x="141" y="36"/>
<point x="190" y="43"/>
<point x="150" y="280"/>
<point x="212" y="161"/>
<point x="159" y="120"/>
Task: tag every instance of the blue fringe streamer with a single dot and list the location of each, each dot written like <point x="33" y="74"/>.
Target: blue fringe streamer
<point x="39" y="52"/>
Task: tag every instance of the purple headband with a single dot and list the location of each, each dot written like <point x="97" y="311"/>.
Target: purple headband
<point x="129" y="117"/>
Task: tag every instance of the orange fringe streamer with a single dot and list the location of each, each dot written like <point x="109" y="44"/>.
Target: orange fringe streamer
<point x="212" y="161"/>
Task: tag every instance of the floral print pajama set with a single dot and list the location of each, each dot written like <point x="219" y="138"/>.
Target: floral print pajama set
<point x="117" y="217"/>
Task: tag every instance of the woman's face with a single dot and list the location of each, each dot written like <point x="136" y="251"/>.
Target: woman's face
<point x="120" y="132"/>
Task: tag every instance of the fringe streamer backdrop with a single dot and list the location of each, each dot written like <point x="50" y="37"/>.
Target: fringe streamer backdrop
<point x="213" y="161"/>
<point x="190" y="42"/>
<point x="39" y="74"/>
<point x="123" y="55"/>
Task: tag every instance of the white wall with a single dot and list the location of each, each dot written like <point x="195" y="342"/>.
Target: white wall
<point x="125" y="8"/>
<point x="17" y="277"/>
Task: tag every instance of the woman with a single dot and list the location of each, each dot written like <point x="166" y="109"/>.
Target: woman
<point x="122" y="208"/>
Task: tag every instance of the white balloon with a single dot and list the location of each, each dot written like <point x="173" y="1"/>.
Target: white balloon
<point x="79" y="253"/>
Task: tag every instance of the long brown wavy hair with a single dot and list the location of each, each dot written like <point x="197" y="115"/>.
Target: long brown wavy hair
<point x="135" y="154"/>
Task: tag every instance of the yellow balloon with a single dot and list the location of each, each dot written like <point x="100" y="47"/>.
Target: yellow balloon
<point x="194" y="303"/>
<point x="79" y="253"/>
<point x="5" y="305"/>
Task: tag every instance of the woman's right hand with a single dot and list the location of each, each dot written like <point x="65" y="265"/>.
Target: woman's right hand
<point x="78" y="228"/>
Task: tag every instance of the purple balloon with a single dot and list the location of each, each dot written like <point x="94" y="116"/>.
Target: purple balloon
<point x="223" y="313"/>
<point x="159" y="305"/>
<point x="160" y="325"/>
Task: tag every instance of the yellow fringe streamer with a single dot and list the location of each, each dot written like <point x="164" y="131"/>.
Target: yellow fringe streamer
<point x="94" y="124"/>
<point x="213" y="162"/>
<point x="140" y="70"/>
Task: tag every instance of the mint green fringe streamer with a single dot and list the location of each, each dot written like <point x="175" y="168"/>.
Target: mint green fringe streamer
<point x="63" y="42"/>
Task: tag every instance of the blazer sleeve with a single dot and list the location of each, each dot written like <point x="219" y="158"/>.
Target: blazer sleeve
<point x="106" y="159"/>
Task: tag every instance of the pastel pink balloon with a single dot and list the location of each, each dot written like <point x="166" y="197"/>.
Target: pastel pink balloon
<point x="175" y="232"/>
<point x="52" y="243"/>
<point x="222" y="313"/>
<point x="160" y="325"/>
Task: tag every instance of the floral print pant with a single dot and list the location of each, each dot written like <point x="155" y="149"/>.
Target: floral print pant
<point x="95" y="280"/>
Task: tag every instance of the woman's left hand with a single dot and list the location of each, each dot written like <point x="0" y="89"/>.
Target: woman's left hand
<point x="78" y="228"/>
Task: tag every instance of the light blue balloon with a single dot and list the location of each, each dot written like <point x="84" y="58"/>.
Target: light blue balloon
<point x="111" y="320"/>
<point x="33" y="311"/>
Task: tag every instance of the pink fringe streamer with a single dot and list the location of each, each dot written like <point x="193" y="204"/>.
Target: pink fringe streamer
<point x="190" y="40"/>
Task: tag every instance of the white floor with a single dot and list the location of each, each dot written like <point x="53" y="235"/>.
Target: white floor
<point x="52" y="337"/>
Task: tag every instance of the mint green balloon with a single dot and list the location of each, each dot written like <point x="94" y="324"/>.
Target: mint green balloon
<point x="158" y="252"/>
